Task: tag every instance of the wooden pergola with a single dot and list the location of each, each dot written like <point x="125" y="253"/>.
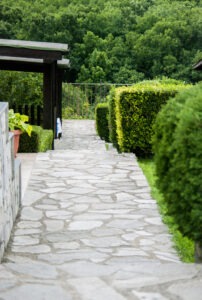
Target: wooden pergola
<point x="46" y="58"/>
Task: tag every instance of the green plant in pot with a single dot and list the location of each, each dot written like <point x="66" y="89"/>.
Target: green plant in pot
<point x="17" y="124"/>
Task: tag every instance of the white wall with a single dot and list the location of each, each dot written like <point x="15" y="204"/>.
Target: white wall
<point x="10" y="180"/>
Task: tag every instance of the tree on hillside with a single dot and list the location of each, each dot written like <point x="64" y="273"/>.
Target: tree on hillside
<point x="113" y="40"/>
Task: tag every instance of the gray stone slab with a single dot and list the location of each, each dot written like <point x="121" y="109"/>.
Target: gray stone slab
<point x="58" y="214"/>
<point x="155" y="221"/>
<point x="106" y="206"/>
<point x="6" y="284"/>
<point x="124" y="196"/>
<point x="82" y="269"/>
<point x="73" y="255"/>
<point x="77" y="208"/>
<point x="113" y="211"/>
<point x="95" y="288"/>
<point x="27" y="231"/>
<point x="126" y="224"/>
<point x="54" y="225"/>
<point x="53" y="190"/>
<point x="132" y="251"/>
<point x="25" y="240"/>
<point x="31" y="197"/>
<point x="84" y="225"/>
<point x="34" y="269"/>
<point x="103" y="231"/>
<point x="36" y="291"/>
<point x="142" y="274"/>
<point x="66" y="246"/>
<point x="55" y="184"/>
<point x="65" y="174"/>
<point x="28" y="224"/>
<point x="29" y="213"/>
<point x="93" y="215"/>
<point x="36" y="249"/>
<point x="46" y="207"/>
<point x="85" y="199"/>
<point x="187" y="290"/>
<point x="148" y="296"/>
<point x="5" y="274"/>
<point x="111" y="241"/>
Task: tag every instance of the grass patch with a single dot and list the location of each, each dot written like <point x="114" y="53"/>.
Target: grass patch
<point x="183" y="245"/>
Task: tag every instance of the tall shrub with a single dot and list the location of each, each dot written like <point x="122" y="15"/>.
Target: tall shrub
<point x="112" y="118"/>
<point x="102" y="117"/>
<point x="178" y="156"/>
<point x="162" y="139"/>
<point x="136" y="109"/>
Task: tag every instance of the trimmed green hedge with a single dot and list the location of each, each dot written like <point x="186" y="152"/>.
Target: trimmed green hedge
<point x="102" y="117"/>
<point x="40" y="140"/>
<point x="178" y="156"/>
<point x="136" y="108"/>
<point x="112" y="118"/>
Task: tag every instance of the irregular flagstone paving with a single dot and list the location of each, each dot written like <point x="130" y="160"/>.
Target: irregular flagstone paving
<point x="88" y="229"/>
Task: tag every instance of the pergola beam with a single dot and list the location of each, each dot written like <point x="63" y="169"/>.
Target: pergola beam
<point x="29" y="49"/>
<point x="46" y="55"/>
<point x="28" y="65"/>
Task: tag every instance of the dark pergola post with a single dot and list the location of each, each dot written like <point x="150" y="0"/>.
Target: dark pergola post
<point x="47" y="103"/>
<point x="50" y="97"/>
<point x="53" y="99"/>
<point x="59" y="93"/>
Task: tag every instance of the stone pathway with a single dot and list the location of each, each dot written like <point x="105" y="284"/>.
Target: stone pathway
<point x="89" y="230"/>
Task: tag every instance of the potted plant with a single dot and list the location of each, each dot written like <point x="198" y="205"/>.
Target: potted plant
<point x="17" y="124"/>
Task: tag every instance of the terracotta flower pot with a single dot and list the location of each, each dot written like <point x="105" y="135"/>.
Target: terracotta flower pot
<point x="17" y="134"/>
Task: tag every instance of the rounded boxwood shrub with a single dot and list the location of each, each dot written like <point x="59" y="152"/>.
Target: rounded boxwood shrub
<point x="177" y="145"/>
<point x="162" y="139"/>
<point x="102" y="117"/>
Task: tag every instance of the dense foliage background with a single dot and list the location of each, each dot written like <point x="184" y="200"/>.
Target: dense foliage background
<point x="113" y="40"/>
